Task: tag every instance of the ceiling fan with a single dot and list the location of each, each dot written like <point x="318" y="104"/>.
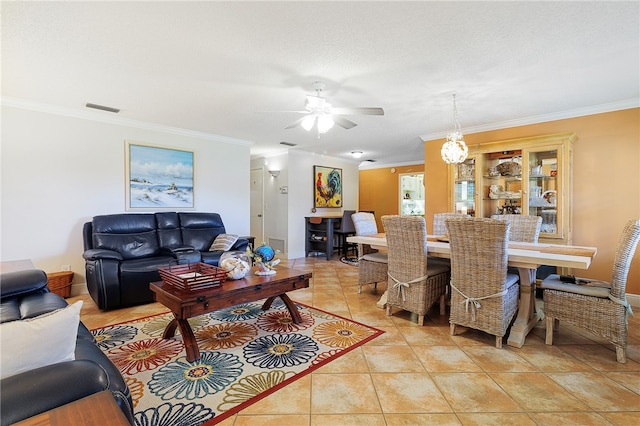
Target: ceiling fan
<point x="320" y="113"/>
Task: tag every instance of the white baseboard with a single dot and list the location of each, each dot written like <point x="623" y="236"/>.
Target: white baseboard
<point x="78" y="289"/>
<point x="81" y="288"/>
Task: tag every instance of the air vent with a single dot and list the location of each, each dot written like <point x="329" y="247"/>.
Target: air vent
<point x="288" y="143"/>
<point x="102" y="108"/>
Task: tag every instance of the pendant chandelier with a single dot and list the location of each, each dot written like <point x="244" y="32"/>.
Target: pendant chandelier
<point x="454" y="150"/>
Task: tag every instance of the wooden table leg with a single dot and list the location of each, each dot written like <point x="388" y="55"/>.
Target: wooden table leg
<point x="382" y="303"/>
<point x="190" y="344"/>
<point x="527" y="317"/>
<point x="170" y="330"/>
<point x="293" y="310"/>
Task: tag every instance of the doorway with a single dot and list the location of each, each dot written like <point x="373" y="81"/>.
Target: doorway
<point x="411" y="194"/>
<point x="256" y="207"/>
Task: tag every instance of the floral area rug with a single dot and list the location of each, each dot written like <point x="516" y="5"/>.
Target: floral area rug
<point x="246" y="354"/>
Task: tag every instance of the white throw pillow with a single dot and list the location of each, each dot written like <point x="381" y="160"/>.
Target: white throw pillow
<point x="223" y="242"/>
<point x="46" y="339"/>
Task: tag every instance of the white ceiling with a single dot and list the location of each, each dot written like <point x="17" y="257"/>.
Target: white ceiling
<point x="212" y="67"/>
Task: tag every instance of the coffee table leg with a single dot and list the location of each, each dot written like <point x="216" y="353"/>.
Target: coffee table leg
<point x="291" y="307"/>
<point x="190" y="344"/>
<point x="170" y="331"/>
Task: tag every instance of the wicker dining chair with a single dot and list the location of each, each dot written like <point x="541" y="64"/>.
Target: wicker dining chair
<point x="439" y="227"/>
<point x="523" y="228"/>
<point x="483" y="295"/>
<point x="372" y="265"/>
<point x="413" y="284"/>
<point x="597" y="306"/>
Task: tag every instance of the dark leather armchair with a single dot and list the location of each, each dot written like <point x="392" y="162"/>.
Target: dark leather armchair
<point x="23" y="295"/>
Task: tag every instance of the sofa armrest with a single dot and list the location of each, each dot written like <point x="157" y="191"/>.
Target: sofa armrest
<point x="183" y="255"/>
<point x="42" y="389"/>
<point x="95" y="254"/>
<point x="23" y="282"/>
<point x="241" y="244"/>
<point x="172" y="251"/>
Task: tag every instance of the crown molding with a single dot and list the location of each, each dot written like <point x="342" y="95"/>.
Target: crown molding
<point x="562" y="115"/>
<point x="365" y="165"/>
<point x="108" y="118"/>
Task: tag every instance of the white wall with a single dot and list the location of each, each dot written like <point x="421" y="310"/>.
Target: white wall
<point x="301" y="195"/>
<point x="59" y="170"/>
<point x="284" y="213"/>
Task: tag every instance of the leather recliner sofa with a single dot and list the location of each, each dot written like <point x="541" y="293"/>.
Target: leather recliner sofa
<point x="123" y="251"/>
<point x="23" y="295"/>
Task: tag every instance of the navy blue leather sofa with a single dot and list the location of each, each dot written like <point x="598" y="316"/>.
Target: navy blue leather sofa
<point x="123" y="251"/>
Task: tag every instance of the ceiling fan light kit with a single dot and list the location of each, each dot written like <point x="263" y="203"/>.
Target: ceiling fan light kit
<point x="308" y="122"/>
<point x="454" y="150"/>
<point x="325" y="122"/>
<point x="323" y="116"/>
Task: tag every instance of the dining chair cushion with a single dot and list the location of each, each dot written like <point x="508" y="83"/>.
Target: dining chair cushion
<point x="511" y="280"/>
<point x="552" y="282"/>
<point x="376" y="257"/>
<point x="436" y="268"/>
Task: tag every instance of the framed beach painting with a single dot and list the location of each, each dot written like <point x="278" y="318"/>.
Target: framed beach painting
<point x="158" y="178"/>
<point x="327" y="187"/>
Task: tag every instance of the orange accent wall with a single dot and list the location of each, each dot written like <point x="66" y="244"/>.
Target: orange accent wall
<point x="606" y="181"/>
<point x="379" y="190"/>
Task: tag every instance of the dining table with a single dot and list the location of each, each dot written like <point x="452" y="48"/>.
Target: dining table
<point x="526" y="257"/>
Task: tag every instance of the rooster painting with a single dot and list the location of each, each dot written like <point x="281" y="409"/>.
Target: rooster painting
<point x="328" y="187"/>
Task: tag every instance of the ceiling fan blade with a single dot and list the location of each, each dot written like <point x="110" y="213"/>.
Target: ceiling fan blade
<point x="358" y="111"/>
<point x="295" y="112"/>
<point x="295" y="123"/>
<point x="343" y="122"/>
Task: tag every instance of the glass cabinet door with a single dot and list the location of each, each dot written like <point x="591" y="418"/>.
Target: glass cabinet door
<point x="464" y="187"/>
<point x="529" y="176"/>
<point x="544" y="189"/>
<point x="502" y="183"/>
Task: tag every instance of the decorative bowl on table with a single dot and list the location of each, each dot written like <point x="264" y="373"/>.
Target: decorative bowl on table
<point x="236" y="263"/>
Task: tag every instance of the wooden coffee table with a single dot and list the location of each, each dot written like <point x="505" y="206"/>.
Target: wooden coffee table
<point x="188" y="304"/>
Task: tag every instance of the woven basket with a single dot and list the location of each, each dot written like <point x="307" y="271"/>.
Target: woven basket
<point x="192" y="277"/>
<point x="60" y="283"/>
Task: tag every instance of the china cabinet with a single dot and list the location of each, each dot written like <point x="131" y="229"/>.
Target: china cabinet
<point x="531" y="176"/>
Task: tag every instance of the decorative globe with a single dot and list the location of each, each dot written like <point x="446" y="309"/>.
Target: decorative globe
<point x="236" y="263"/>
<point x="266" y="253"/>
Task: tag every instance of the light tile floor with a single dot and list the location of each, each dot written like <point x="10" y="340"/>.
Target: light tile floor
<point x="414" y="375"/>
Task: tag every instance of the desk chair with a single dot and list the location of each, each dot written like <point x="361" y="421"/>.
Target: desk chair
<point x="346" y="229"/>
<point x="597" y="306"/>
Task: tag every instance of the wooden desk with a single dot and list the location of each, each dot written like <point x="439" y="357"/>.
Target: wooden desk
<point x="527" y="257"/>
<point x="188" y="304"/>
<point x="319" y="234"/>
<point x="95" y="410"/>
